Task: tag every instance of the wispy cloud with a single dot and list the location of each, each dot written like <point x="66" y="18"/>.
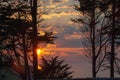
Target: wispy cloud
<point x="75" y="35"/>
<point x="65" y="51"/>
<point x="59" y="15"/>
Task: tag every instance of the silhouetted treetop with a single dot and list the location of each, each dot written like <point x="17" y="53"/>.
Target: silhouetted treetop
<point x="54" y="68"/>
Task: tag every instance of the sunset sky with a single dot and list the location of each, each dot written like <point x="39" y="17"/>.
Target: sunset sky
<point x="68" y="44"/>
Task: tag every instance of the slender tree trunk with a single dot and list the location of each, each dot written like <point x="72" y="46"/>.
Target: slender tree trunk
<point x="34" y="25"/>
<point x="26" y="64"/>
<point x="25" y="53"/>
<point x="25" y="56"/>
<point x="93" y="51"/>
<point x="112" y="41"/>
<point x="93" y="42"/>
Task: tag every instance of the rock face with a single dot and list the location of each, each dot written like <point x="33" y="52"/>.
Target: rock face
<point x="8" y="74"/>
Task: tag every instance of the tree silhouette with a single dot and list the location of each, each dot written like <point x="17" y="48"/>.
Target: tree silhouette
<point x="92" y="18"/>
<point x="16" y="33"/>
<point x="54" y="68"/>
<point x="15" y="29"/>
<point x="112" y="29"/>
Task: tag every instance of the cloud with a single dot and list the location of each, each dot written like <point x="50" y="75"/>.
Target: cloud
<point x="64" y="7"/>
<point x="69" y="49"/>
<point x="57" y="19"/>
<point x="76" y="43"/>
<point x="60" y="1"/>
<point x="64" y="50"/>
<point x="51" y="6"/>
<point x="75" y="35"/>
<point x="54" y="49"/>
<point x="58" y="15"/>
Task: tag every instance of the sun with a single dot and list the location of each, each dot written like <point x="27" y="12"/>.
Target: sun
<point x="39" y="51"/>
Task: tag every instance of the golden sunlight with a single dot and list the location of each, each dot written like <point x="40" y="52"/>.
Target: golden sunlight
<point x="39" y="67"/>
<point x="39" y="51"/>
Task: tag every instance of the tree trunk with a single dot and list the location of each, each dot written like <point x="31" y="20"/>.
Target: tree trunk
<point x="34" y="25"/>
<point x="26" y="64"/>
<point x="112" y="41"/>
<point x="93" y="51"/>
<point x="93" y="42"/>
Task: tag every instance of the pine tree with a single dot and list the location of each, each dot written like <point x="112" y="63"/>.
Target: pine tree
<point x="54" y="68"/>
